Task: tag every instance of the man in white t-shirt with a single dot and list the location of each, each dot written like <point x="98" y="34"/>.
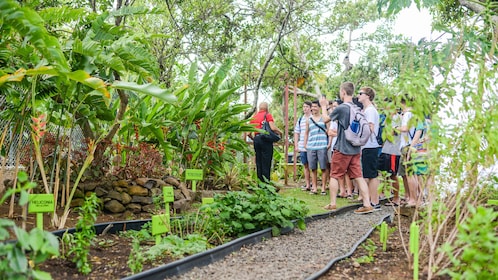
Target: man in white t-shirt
<point x="370" y="151"/>
<point x="299" y="130"/>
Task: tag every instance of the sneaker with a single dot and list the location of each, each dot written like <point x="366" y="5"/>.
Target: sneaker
<point x="376" y="207"/>
<point x="364" y="210"/>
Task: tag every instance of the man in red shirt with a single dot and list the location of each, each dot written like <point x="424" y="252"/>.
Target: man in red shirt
<point x="262" y="148"/>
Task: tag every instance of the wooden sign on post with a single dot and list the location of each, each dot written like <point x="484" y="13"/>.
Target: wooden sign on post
<point x="168" y="196"/>
<point x="194" y="175"/>
<point x="39" y="204"/>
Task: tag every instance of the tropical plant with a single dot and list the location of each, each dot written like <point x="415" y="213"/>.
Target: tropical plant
<point x="80" y="241"/>
<point x="19" y="258"/>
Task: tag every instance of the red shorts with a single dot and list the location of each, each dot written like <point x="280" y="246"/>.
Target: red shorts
<point x="345" y="163"/>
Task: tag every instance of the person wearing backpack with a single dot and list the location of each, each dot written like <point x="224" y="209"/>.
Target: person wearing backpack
<point x="370" y="151"/>
<point x="316" y="142"/>
<point x="299" y="131"/>
<point x="346" y="156"/>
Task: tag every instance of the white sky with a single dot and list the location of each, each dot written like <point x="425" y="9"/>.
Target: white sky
<point x="414" y="24"/>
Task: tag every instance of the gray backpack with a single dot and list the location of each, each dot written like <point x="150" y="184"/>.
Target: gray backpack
<point x="358" y="132"/>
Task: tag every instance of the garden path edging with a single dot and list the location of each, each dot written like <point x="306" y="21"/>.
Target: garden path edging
<point x="210" y="256"/>
<point x="355" y="246"/>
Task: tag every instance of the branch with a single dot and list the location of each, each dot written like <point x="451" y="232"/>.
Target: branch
<point x="269" y="57"/>
<point x="302" y="92"/>
<point x="479" y="8"/>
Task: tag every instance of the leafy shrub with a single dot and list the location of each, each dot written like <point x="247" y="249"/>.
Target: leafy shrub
<point x="240" y="213"/>
<point x="477" y="244"/>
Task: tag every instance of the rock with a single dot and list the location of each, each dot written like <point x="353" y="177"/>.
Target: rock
<point x="141" y="181"/>
<point x="88" y="186"/>
<point x="114" y="195"/>
<point x="156" y="192"/>
<point x="99" y="191"/>
<point x="186" y="192"/>
<point x="125" y="198"/>
<point x="181" y="205"/>
<point x="137" y="191"/>
<point x="120" y="183"/>
<point x="79" y="193"/>
<point x="134" y="208"/>
<point x="141" y="199"/>
<point x="77" y="202"/>
<point x="356" y="264"/>
<point x="151" y="208"/>
<point x="114" y="206"/>
<point x="169" y="180"/>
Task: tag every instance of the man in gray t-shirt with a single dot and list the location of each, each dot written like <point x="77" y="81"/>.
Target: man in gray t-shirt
<point x="346" y="157"/>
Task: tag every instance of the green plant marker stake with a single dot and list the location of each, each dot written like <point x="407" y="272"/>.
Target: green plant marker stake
<point x="194" y="175"/>
<point x="383" y="235"/>
<point x="160" y="225"/>
<point x="493" y="202"/>
<point x="39" y="204"/>
<point x="207" y="200"/>
<point x="168" y="196"/>
<point x="414" y="237"/>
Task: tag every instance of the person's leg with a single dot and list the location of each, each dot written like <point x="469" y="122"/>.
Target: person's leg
<point x="363" y="188"/>
<point x="369" y="164"/>
<point x="313" y="165"/>
<point x="304" y="161"/>
<point x="324" y="163"/>
<point x="395" y="188"/>
<point x="267" y="156"/>
<point x="340" y="163"/>
<point x="258" y="156"/>
<point x="355" y="173"/>
<point x="349" y="184"/>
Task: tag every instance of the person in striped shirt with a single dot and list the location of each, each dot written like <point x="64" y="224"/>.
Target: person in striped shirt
<point x="316" y="142"/>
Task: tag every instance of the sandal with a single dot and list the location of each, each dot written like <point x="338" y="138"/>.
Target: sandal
<point x="392" y="203"/>
<point x="330" y="207"/>
<point x="323" y="193"/>
<point x="313" y="192"/>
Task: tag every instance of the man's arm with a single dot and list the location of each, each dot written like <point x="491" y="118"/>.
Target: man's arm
<point x="324" y="103"/>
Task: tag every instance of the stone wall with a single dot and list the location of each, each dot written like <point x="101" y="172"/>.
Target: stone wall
<point x="136" y="196"/>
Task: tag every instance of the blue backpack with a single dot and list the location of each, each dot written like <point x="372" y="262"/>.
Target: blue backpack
<point x="382" y="124"/>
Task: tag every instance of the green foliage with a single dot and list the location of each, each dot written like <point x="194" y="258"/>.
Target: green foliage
<point x="203" y="129"/>
<point x="142" y="235"/>
<point x="136" y="258"/>
<point x="370" y="247"/>
<point x="474" y="253"/>
<point x="178" y="247"/>
<point x="241" y="213"/>
<point x="79" y="243"/>
<point x="19" y="259"/>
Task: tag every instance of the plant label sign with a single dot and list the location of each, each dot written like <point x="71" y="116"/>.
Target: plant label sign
<point x="160" y="224"/>
<point x="194" y="175"/>
<point x="41" y="203"/>
<point x="168" y="194"/>
<point x="207" y="200"/>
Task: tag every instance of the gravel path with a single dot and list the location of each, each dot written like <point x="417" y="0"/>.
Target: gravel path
<point x="297" y="255"/>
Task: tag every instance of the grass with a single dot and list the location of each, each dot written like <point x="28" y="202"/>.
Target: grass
<point x="314" y="202"/>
